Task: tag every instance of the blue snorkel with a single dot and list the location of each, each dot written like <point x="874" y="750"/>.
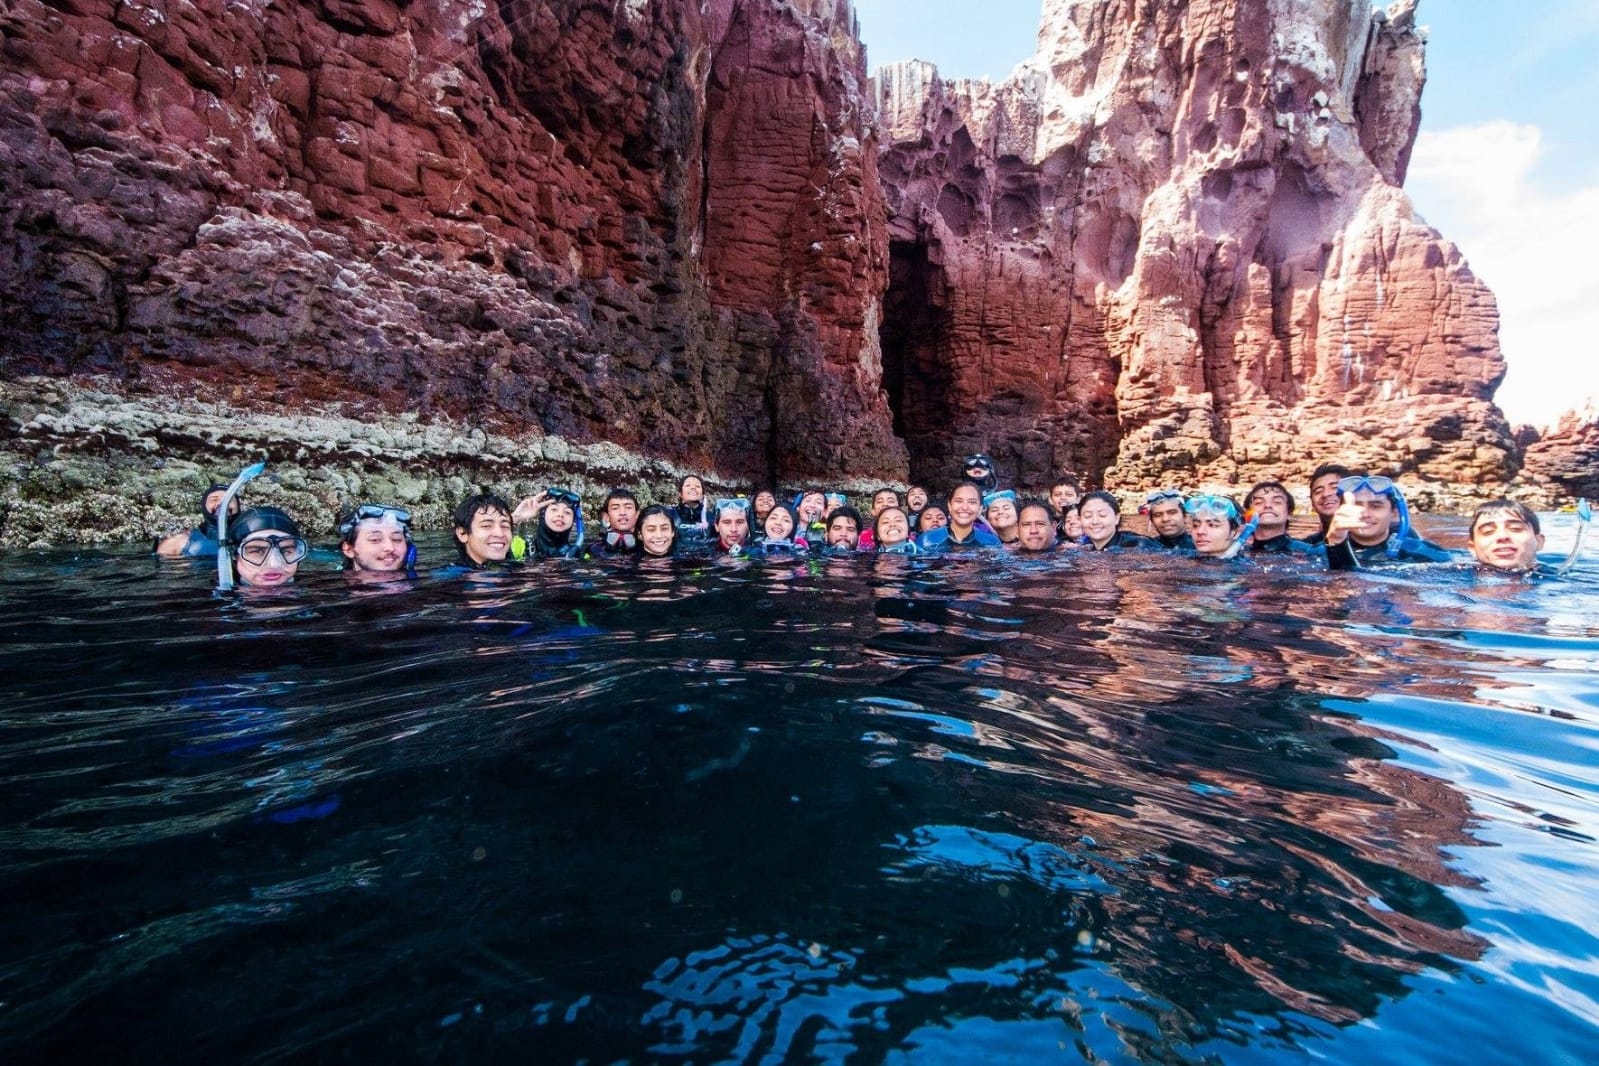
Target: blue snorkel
<point x="1584" y="516"/>
<point x="1404" y="538"/>
<point x="225" y="557"/>
<point x="1253" y="521"/>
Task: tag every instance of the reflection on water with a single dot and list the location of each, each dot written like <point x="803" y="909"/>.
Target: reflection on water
<point x="849" y="810"/>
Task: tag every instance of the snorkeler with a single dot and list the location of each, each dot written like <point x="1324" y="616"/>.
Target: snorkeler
<point x="1035" y="528"/>
<point x="764" y="501"/>
<point x="966" y="528"/>
<point x="915" y="500"/>
<point x="693" y="518"/>
<point x="732" y="526"/>
<point x="267" y="547"/>
<point x="843" y="530"/>
<point x="891" y="532"/>
<point x="1064" y="493"/>
<point x="1270" y="503"/>
<point x="1213" y="524"/>
<point x="657" y="533"/>
<point x="1168" y="518"/>
<point x="620" y="515"/>
<point x="559" y="534"/>
<point x="932" y="516"/>
<point x="883" y="497"/>
<point x="1324" y="498"/>
<point x="778" y="533"/>
<point x="1505" y="536"/>
<point x="979" y="470"/>
<point x="1000" y="510"/>
<point x="376" y="539"/>
<point x="201" y="541"/>
<point x="1101" y="517"/>
<point x="811" y="506"/>
<point x="1372" y="525"/>
<point x="483" y="529"/>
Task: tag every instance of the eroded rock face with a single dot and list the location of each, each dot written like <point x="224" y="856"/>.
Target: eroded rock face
<point x="1564" y="461"/>
<point x="652" y="223"/>
<point x="1172" y="248"/>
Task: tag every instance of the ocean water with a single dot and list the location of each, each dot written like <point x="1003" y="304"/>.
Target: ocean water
<point x="1102" y="809"/>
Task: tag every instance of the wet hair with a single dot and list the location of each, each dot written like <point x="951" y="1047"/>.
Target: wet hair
<point x="887" y="488"/>
<point x="1328" y="468"/>
<point x="618" y="494"/>
<point x="1066" y="479"/>
<point x="916" y="526"/>
<point x="1036" y="501"/>
<point x="964" y="482"/>
<point x="1102" y="494"/>
<point x="846" y="511"/>
<point x="878" y="520"/>
<point x="684" y="481"/>
<point x="1278" y="485"/>
<point x="650" y="512"/>
<point x="793" y="517"/>
<point x="482" y="501"/>
<point x="1503" y="505"/>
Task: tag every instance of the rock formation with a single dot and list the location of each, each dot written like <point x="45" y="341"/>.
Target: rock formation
<point x="1563" y="462"/>
<point x="651" y="223"/>
<point x="1172" y="247"/>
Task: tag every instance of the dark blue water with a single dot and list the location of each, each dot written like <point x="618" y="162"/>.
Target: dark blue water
<point x="1108" y="809"/>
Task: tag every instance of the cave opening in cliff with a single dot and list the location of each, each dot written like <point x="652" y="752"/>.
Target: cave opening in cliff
<point x="914" y="331"/>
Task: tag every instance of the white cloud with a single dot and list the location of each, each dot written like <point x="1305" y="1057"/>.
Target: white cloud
<point x="1538" y="252"/>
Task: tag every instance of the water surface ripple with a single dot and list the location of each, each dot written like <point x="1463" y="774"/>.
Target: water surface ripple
<point x="848" y="810"/>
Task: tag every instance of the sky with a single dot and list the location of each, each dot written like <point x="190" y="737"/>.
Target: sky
<point x="1506" y="166"/>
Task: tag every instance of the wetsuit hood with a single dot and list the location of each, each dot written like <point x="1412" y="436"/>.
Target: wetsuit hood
<point x="258" y="519"/>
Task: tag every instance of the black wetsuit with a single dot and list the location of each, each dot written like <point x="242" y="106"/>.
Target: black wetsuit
<point x="1281" y="544"/>
<point x="1125" y="541"/>
<point x="1181" y="542"/>
<point x="1348" y="556"/>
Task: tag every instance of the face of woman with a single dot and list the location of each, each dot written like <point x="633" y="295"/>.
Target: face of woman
<point x="1099" y="521"/>
<point x="271" y="569"/>
<point x="656" y="534"/>
<point x="559" y="517"/>
<point x="916" y="498"/>
<point x="1002" y="513"/>
<point x="693" y="490"/>
<point x="1072" y="525"/>
<point x="812" y="506"/>
<point x="778" y="525"/>
<point x="932" y="518"/>
<point x="892" y="526"/>
<point x="964" y="506"/>
<point x="1211" y="534"/>
<point x="764" y="502"/>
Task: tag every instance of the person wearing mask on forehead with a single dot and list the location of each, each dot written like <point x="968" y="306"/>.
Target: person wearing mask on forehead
<point x="1000" y="510"/>
<point x="1101" y="516"/>
<point x="1324" y="497"/>
<point x="1164" y="509"/>
<point x="201" y="541"/>
<point x="1372" y="526"/>
<point x="375" y="541"/>
<point x="1214" y="522"/>
<point x="1269" y="504"/>
<point x="732" y="526"/>
<point x="559" y="535"/>
<point x="266" y="546"/>
<point x="620" y="515"/>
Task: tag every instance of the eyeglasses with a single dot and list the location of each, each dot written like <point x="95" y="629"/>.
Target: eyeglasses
<point x="373" y="510"/>
<point x="566" y="496"/>
<point x="1211" y="507"/>
<point x="1161" y="495"/>
<point x="1379" y="485"/>
<point x="256" y="552"/>
<point x="740" y="502"/>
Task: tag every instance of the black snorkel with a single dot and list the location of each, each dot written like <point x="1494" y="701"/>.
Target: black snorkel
<point x="1584" y="517"/>
<point x="225" y="557"/>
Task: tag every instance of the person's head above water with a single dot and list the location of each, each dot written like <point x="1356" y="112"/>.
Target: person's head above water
<point x="779" y="523"/>
<point x="979" y="469"/>
<point x="1212" y="521"/>
<point x="1324" y="498"/>
<point x="1164" y="509"/>
<point x="884" y="497"/>
<point x="1064" y="493"/>
<point x="1101" y="516"/>
<point x="376" y="538"/>
<point x="844" y="527"/>
<point x="732" y="522"/>
<point x="1371" y="506"/>
<point x="657" y="533"/>
<point x="915" y="498"/>
<point x="267" y="547"/>
<point x="812" y="507"/>
<point x="1506" y="536"/>
<point x="1271" y="503"/>
<point x="691" y="489"/>
<point x="1035" y="527"/>
<point x="891" y="526"/>
<point x="620" y="510"/>
<point x="482" y="527"/>
<point x="931" y="516"/>
<point x="210" y="500"/>
<point x="965" y="507"/>
<point x="763" y="502"/>
<point x="1000" y="510"/>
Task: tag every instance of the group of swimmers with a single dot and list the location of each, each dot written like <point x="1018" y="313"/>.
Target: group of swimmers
<point x="1364" y="521"/>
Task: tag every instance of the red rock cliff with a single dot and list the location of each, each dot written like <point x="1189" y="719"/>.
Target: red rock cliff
<point x="1173" y="246"/>
<point x="655" y="223"/>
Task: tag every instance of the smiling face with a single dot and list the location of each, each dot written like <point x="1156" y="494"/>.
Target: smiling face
<point x="1324" y="497"/>
<point x="1035" y="530"/>
<point x="693" y="490"/>
<point x="1505" y="540"/>
<point x="656" y="534"/>
<point x="1062" y="496"/>
<point x="488" y="539"/>
<point x="1100" y="521"/>
<point x="842" y="532"/>
<point x="1376" y="516"/>
<point x="1071" y="524"/>
<point x="916" y="498"/>
<point x="1002" y="515"/>
<point x="965" y="504"/>
<point x="379" y="546"/>
<point x="1270" y="507"/>
<point x="559" y="516"/>
<point x="893" y="527"/>
<point x="778" y="526"/>
<point x="812" y="507"/>
<point x="764" y="502"/>
<point x="1211" y="534"/>
<point x="1167" y="518"/>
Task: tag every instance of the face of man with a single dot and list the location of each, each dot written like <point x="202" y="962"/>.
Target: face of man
<point x="1211" y="533"/>
<point x="885" y="498"/>
<point x="621" y="513"/>
<point x="656" y="534"/>
<point x="693" y="490"/>
<point x="489" y="537"/>
<point x="379" y="546"/>
<point x="842" y="532"/>
<point x="733" y="525"/>
<point x="1505" y="541"/>
<point x="1002" y="515"/>
<point x="916" y="498"/>
<point x="1036" y="531"/>
<point x="1062" y="496"/>
<point x="1324" y="499"/>
<point x="1375" y="513"/>
<point x="1099" y="520"/>
<point x="1167" y="518"/>
<point x="1270" y="506"/>
<point x="965" y="504"/>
